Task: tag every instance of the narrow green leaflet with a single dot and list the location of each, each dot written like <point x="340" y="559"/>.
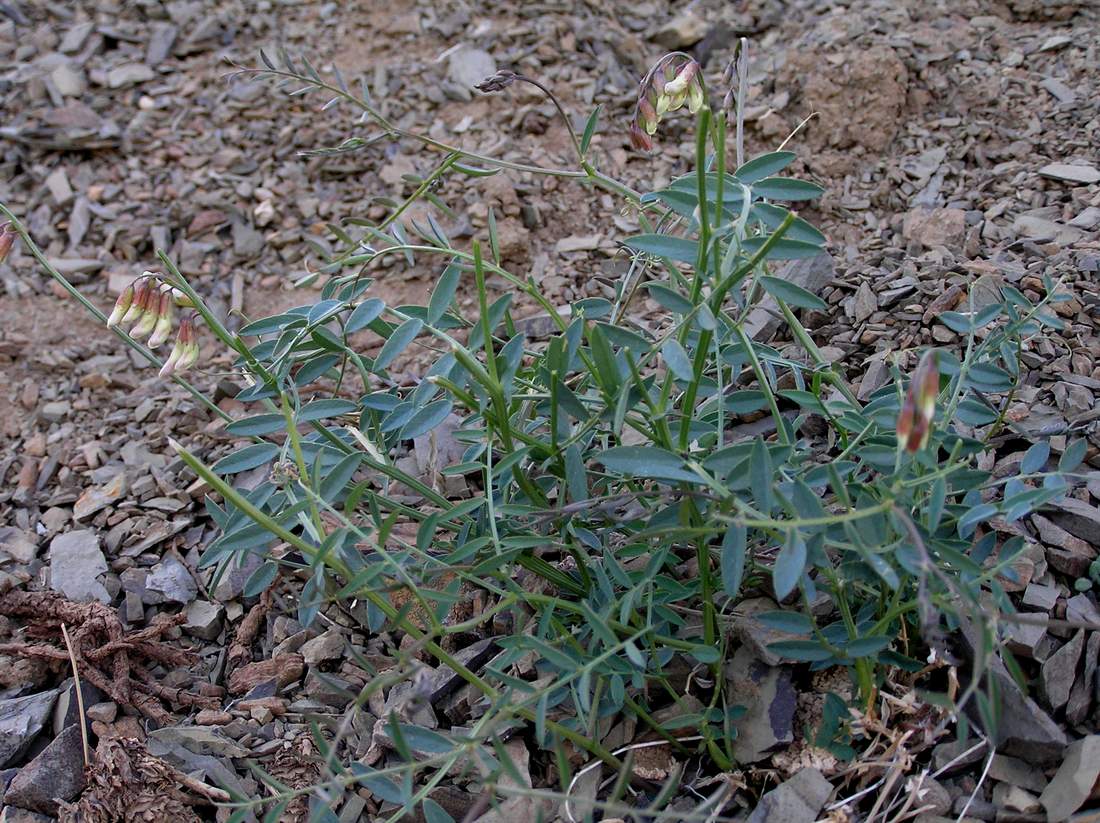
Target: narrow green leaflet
<point x="444" y="293"/>
<point x="364" y="314"/>
<point x="427" y="418"/>
<point x="590" y="129"/>
<point x="792" y="294"/>
<point x="647" y="462"/>
<point x="669" y="298"/>
<point x="662" y="245"/>
<point x="732" y="559"/>
<point x="764" y="166"/>
<point x="786" y="188"/>
<point x="247" y="458"/>
<point x="330" y="407"/>
<point x="789" y="565"/>
<point x="783" y="248"/>
<point x="677" y="360"/>
<point x="257" y="424"/>
<point x="398" y="342"/>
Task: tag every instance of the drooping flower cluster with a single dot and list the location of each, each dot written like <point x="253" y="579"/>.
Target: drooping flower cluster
<point x="674" y="82"/>
<point x="917" y="412"/>
<point x="149" y="304"/>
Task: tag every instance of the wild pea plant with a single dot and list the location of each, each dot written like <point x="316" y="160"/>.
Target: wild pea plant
<point x="618" y="514"/>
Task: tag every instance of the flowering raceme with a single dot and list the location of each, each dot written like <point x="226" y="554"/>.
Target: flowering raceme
<point x="919" y="408"/>
<point x="663" y="90"/>
<point x="149" y="304"/>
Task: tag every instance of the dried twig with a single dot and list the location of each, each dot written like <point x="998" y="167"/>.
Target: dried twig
<point x="79" y="696"/>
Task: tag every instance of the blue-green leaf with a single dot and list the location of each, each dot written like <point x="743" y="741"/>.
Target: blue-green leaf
<point x="789" y="565"/>
<point x="1073" y="455"/>
<point x="662" y="245"/>
<point x="444" y="293"/>
<point x="669" y="298"/>
<point x="786" y="188"/>
<point x="257" y="424"/>
<point x="732" y="559"/>
<point x="790" y="293"/>
<point x="397" y="342"/>
<point x="247" y="458"/>
<point x="1035" y="457"/>
<point x="765" y="165"/>
<point x="427" y="418"/>
<point x="329" y="407"/>
<point x="364" y="314"/>
<point x="646" y="462"/>
<point x="678" y="361"/>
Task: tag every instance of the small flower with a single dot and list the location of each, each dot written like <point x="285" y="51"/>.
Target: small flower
<point x="185" y="351"/>
<point x="143" y="291"/>
<point x="647" y="116"/>
<point x="165" y="318"/>
<point x="7" y="239"/>
<point x="147" y="322"/>
<point x="914" y="424"/>
<point x="122" y="305"/>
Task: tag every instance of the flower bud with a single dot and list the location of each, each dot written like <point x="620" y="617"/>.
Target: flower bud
<point x="147" y="322"/>
<point x="7" y="240"/>
<point x="639" y="139"/>
<point x="185" y="351"/>
<point x="173" y="359"/>
<point x="181" y="299"/>
<point x="696" y="98"/>
<point x="143" y="291"/>
<point x="122" y="305"/>
<point x="647" y="116"/>
<point x="914" y="424"/>
<point x="165" y="316"/>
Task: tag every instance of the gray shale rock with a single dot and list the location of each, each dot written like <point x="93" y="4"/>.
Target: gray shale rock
<point x="1074" y="782"/>
<point x="56" y="774"/>
<point x="797" y="800"/>
<point x="21" y="719"/>
<point x="75" y="566"/>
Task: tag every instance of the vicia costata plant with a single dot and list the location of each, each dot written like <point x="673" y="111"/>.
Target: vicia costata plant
<point x="626" y="483"/>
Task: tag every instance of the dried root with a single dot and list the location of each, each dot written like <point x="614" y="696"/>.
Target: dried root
<point x="126" y="784"/>
<point x="105" y="655"/>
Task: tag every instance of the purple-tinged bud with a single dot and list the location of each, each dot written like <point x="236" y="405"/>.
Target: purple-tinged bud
<point x="914" y="424"/>
<point x="122" y="305"/>
<point x="497" y="82"/>
<point x="143" y="291"/>
<point x="186" y="349"/>
<point x="148" y="320"/>
<point x="165" y="318"/>
<point x="639" y="139"/>
<point x="7" y="240"/>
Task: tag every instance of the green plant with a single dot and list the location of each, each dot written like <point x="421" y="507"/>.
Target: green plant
<point x="618" y="515"/>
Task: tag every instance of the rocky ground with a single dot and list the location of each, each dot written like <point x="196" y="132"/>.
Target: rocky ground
<point x="956" y="142"/>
